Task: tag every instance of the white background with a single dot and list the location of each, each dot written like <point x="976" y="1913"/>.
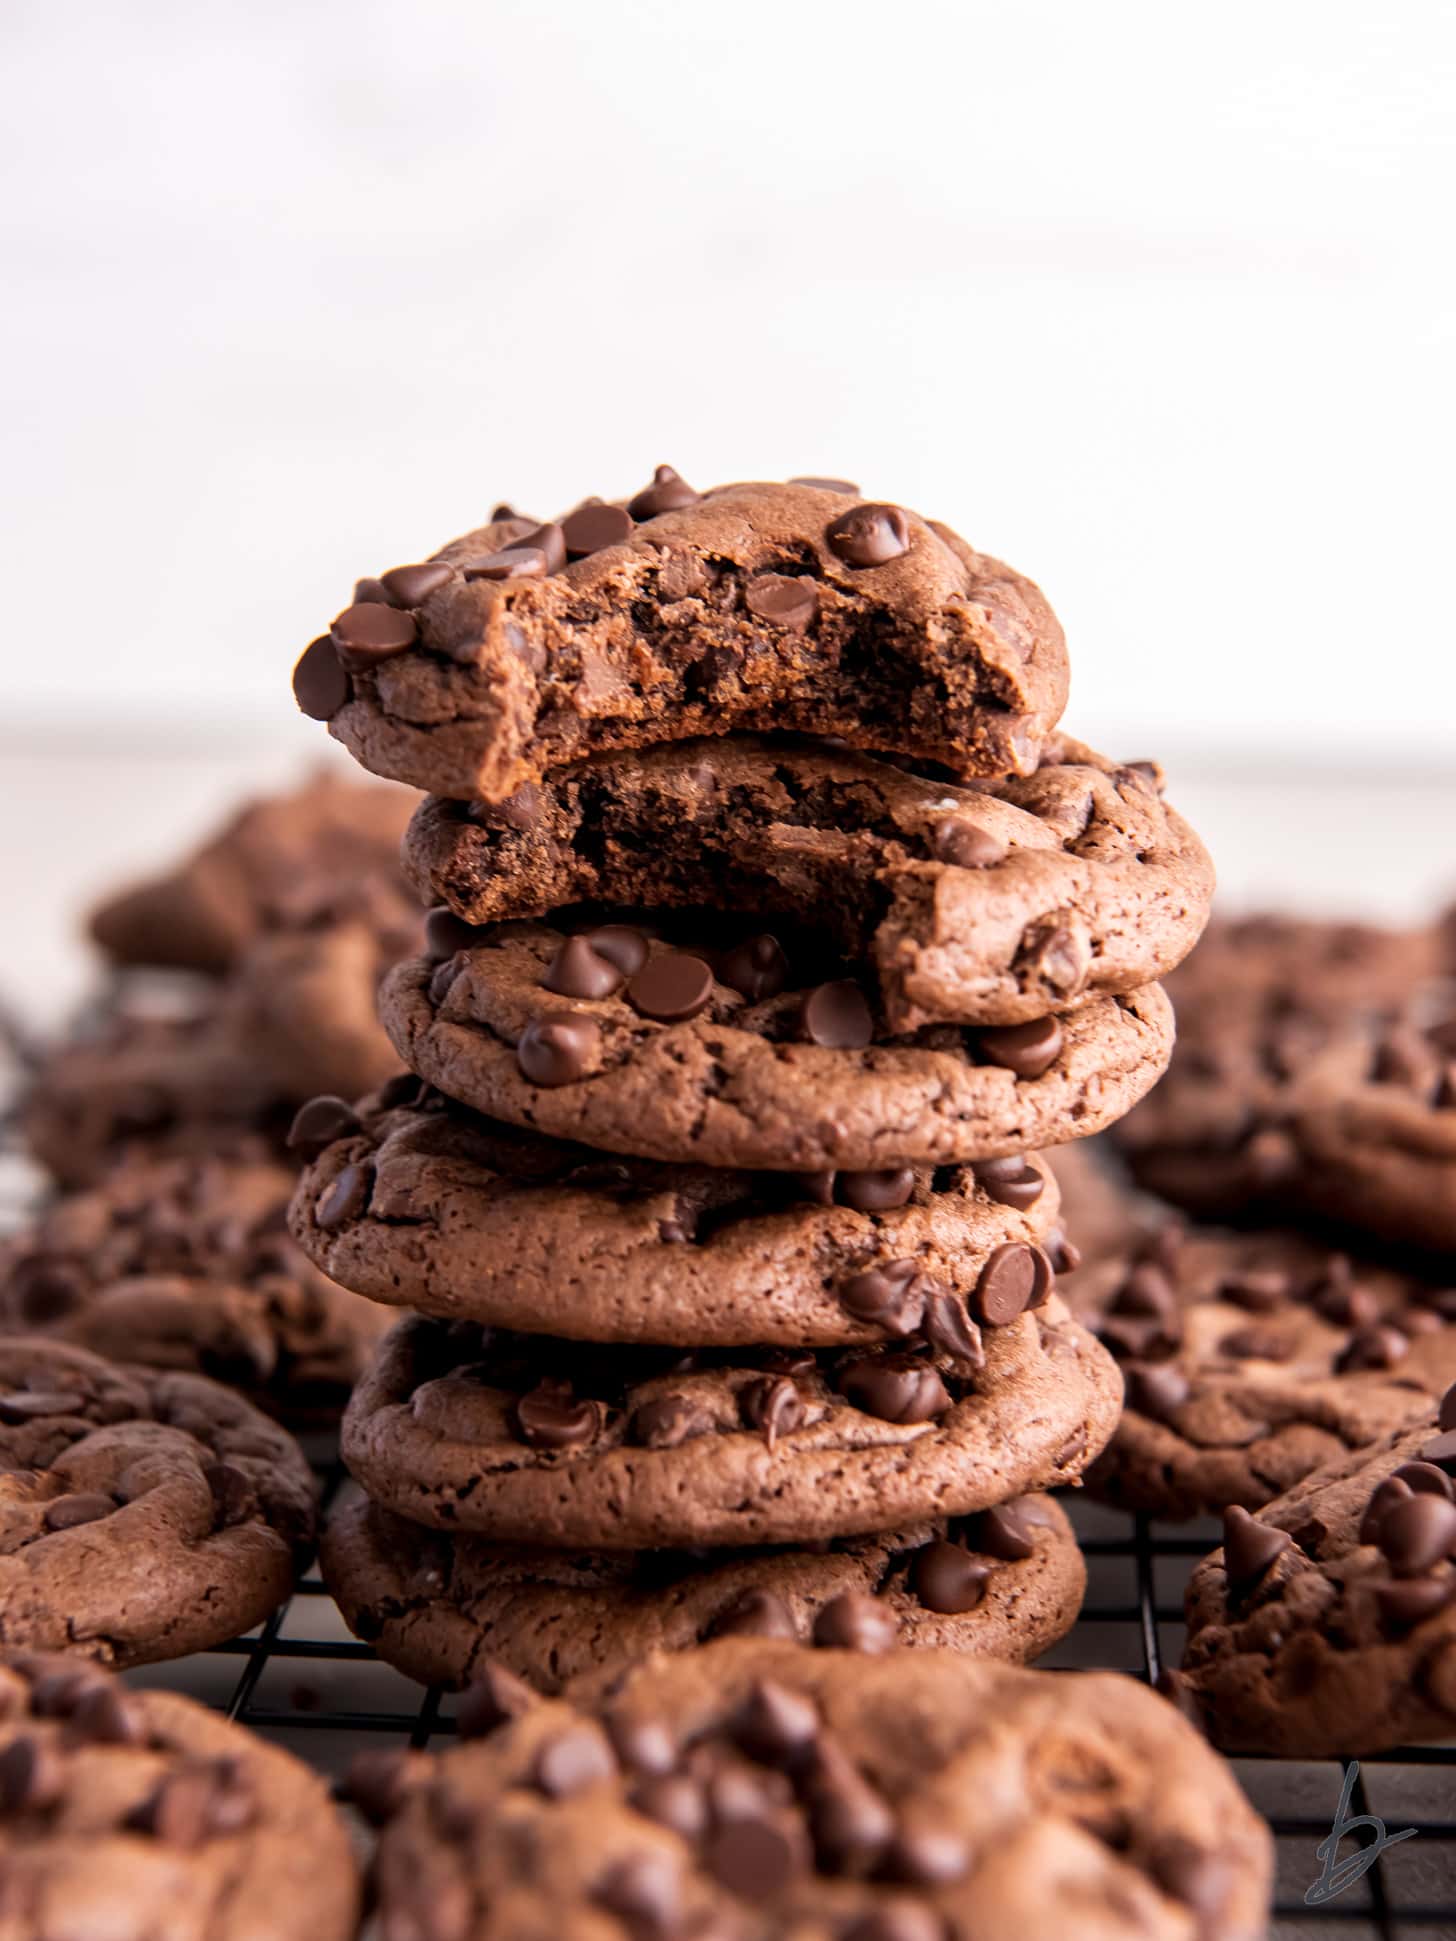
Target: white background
<point x="1155" y="301"/>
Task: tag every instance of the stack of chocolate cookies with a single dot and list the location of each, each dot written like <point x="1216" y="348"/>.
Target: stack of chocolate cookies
<point x="776" y="929"/>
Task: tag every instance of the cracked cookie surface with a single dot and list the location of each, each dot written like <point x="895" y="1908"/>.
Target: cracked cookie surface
<point x="978" y="906"/>
<point x="753" y="607"/>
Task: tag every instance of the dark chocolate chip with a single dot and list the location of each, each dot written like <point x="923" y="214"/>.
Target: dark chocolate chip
<point x="82" y="1506"/>
<point x="370" y="632"/>
<point x="1014" y="1278"/>
<point x="671" y="988"/>
<point x="1407" y="1601"/>
<point x="895" y="1392"/>
<point x="493" y="1698"/>
<point x="1441" y="1451"/>
<point x="772" y="1404"/>
<point x="1393" y="1490"/>
<point x="233" y="1496"/>
<point x="320" y="685"/>
<point x="966" y="844"/>
<point x="594" y="526"/>
<point x="644" y="1891"/>
<point x="1010" y="1182"/>
<point x="676" y="1801"/>
<point x="667" y="1422"/>
<point x="621" y="945"/>
<point x="1028" y="1050"/>
<point x="1258" y="1344"/>
<point x="26" y="1404"/>
<point x="411" y="586"/>
<point x="756" y="1858"/>
<point x="856" y="1621"/>
<point x="344" y="1198"/>
<point x="926" y="1856"/>
<point x="642" y="1745"/>
<point x="875" y="1192"/>
<point x="756" y="1614"/>
<point x="869" y="535"/>
<point x="549" y="541"/>
<point x="511" y="563"/>
<point x="558" y="1048"/>
<point x="775" y="1725"/>
<point x="445" y="933"/>
<point x="842" y="486"/>
<point x="579" y="971"/>
<point x="837" y="1016"/>
<point x="757" y="968"/>
<point x="1255" y="1292"/>
<point x="195" y="1803"/>
<point x="947" y="1578"/>
<point x="783" y="599"/>
<point x="443" y="978"/>
<point x="372" y="590"/>
<point x="1424" y="1477"/>
<point x="550" y="1417"/>
<point x="668" y="492"/>
<point x="849" y="1822"/>
<point x="108" y="1715"/>
<point x="1198" y="1876"/>
<point x="1003" y="1532"/>
<point x="950" y="1330"/>
<point x="1147" y="1290"/>
<point x="1157" y="1389"/>
<point x="1250" y="1547"/>
<point x="890" y="1296"/>
<point x="577" y="1758"/>
<point x="1415" y="1535"/>
<point x="1380" y="1346"/>
<point x="32" y="1776"/>
<point x="377" y="1781"/>
<point x="319" y="1123"/>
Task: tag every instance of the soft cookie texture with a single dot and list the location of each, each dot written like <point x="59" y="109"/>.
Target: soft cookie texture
<point x="185" y="1264"/>
<point x="754" y="1789"/>
<point x="989" y="906"/>
<point x="677" y="1062"/>
<point x="1007" y="1584"/>
<point x="137" y="1815"/>
<point x="754" y="607"/>
<point x="142" y="1515"/>
<point x="559" y="1443"/>
<point x="1326" y="1626"/>
<point x="428" y="1205"/>
<point x="1252" y="1359"/>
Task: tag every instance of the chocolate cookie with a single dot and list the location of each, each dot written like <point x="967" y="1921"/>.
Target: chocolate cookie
<point x="129" y="1813"/>
<point x="653" y="1050"/>
<point x="990" y="906"/>
<point x="1252" y="1359"/>
<point x="1007" y="1583"/>
<point x="270" y="860"/>
<point x="1326" y="1626"/>
<point x="185" y="1264"/>
<point x="142" y="1515"/>
<point x="428" y="1205"/>
<point x="750" y="608"/>
<point x="529" y="1440"/>
<point x="755" y="1789"/>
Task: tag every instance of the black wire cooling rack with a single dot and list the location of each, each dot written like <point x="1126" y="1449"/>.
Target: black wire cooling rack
<point x="302" y="1681"/>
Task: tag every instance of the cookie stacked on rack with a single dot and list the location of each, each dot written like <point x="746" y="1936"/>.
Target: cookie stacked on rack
<point x="776" y="930"/>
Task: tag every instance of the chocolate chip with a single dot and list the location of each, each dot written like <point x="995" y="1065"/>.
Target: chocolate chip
<point x="676" y="1801"/>
<point x="370" y="589"/>
<point x="1028" y="1050"/>
<point x="1197" y="1876"/>
<point x="757" y="968"/>
<point x="550" y="1417"/>
<point x="593" y="526"/>
<point x="491" y="1700"/>
<point x="856" y="1621"/>
<point x="644" y="1891"/>
<point x="757" y="1857"/>
<point x="107" y="1715"/>
<point x="843" y="486"/>
<point x="411" y="586"/>
<point x="642" y="1745"/>
<point x="895" y="1392"/>
<point x="1408" y="1601"/>
<point x="1157" y="1390"/>
<point x="521" y="811"/>
<point x="926" y="1856"/>
<point x="233" y="1496"/>
<point x="83" y="1506"/>
<point x="668" y="492"/>
<point x="667" y="1423"/>
<point x="1003" y="1532"/>
<point x="344" y="1198"/>
<point x="27" y="1404"/>
<point x="320" y="685"/>
<point x="368" y="633"/>
<point x="671" y="988"/>
<point x="557" y="1049"/>
<point x="874" y="1192"/>
<point x="1375" y="1347"/>
<point x="1010" y="1182"/>
<point x="445" y="933"/>
<point x="319" y="1123"/>
<point x="1441" y="1450"/>
<point x="1256" y="1293"/>
<point x="577" y="1758"/>
<point x="870" y="535"/>
<point x="1393" y="1490"/>
<point x="377" y="1781"/>
<point x="1424" y="1477"/>
<point x="950" y="1330"/>
<point x="836" y="1016"/>
<point x="510" y="563"/>
<point x="442" y="980"/>
<point x="577" y="970"/>
<point x="849" y="1822"/>
<point x="783" y="599"/>
<point x="775" y="1725"/>
<point x="621" y="945"/>
<point x="1249" y="1547"/>
<point x="193" y="1804"/>
<point x="31" y="1776"/>
<point x="1417" y="1534"/>
<point x="1014" y="1278"/>
<point x="898" y="1920"/>
<point x="772" y="1404"/>
<point x="947" y="1578"/>
<point x="756" y="1614"/>
<point x="890" y="1296"/>
<point x="966" y="844"/>
<point x="44" y="1291"/>
<point x="547" y="540"/>
<point x="1258" y="1344"/>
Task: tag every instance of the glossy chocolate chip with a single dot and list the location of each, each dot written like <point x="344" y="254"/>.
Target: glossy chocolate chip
<point x="577" y="1758"/>
<point x="966" y="844"/>
<point x="1157" y="1389"/>
<point x="849" y="1822"/>
<point x="594" y="526"/>
<point x="1028" y="1050"/>
<point x="550" y="1417"/>
<point x="895" y="1391"/>
<point x="667" y="1422"/>
<point x="757" y="968"/>
<point x="319" y="1123"/>
<point x="1375" y="1347"/>
<point x="320" y="684"/>
<point x="875" y="1192"/>
<point x="1393" y="1490"/>
<point x="410" y="586"/>
<point x="643" y="1745"/>
<point x="783" y="600"/>
<point x="775" y="1725"/>
<point x="1010" y="1182"/>
<point x="621" y="945"/>
<point x="345" y="1197"/>
<point x="577" y="970"/>
<point x="510" y="563"/>
<point x="557" y="1049"/>
<point x="644" y="1890"/>
<point x="947" y="1578"/>
<point x="492" y="1699"/>
<point x="758" y="1855"/>
<point x="1014" y="1278"/>
<point x="1424" y="1477"/>
<point x="1415" y="1535"/>
<point x="1250" y="1547"/>
<point x="889" y="1296"/>
<point x="668" y="492"/>
<point x="671" y="988"/>
<point x="926" y="1856"/>
<point x="856" y="1621"/>
<point x="950" y="1330"/>
<point x="1003" y="1532"/>
<point x="32" y="1776"/>
<point x="549" y="541"/>
<point x="1146" y="1290"/>
<point x="1405" y="1602"/>
<point x="1255" y="1292"/>
<point x="773" y="1405"/>
<point x="1441" y="1450"/>
<point x="674" y="1800"/>
<point x="1446" y="1411"/>
<point x="445" y="933"/>
<point x="756" y="1614"/>
<point x="837" y="1016"/>
<point x="869" y="535"/>
<point x="370" y="632"/>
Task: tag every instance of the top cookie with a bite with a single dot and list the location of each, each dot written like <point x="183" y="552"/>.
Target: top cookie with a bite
<point x="753" y="607"/>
